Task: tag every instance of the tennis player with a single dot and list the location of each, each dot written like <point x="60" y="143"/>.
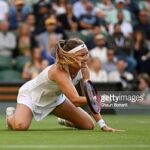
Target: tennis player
<point x="53" y="91"/>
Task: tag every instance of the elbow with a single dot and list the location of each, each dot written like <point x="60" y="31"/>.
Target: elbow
<point x="75" y="102"/>
<point x="78" y="101"/>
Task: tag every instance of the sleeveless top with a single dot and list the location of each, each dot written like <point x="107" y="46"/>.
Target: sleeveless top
<point x="42" y="90"/>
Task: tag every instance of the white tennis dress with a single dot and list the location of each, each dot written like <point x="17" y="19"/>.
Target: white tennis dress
<point x="42" y="95"/>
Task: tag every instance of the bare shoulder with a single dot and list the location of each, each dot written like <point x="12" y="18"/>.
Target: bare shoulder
<point x="57" y="73"/>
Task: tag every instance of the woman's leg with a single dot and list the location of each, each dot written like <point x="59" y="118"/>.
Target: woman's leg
<point x="21" y="119"/>
<point x="77" y="117"/>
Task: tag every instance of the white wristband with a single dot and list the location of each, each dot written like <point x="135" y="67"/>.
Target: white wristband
<point x="101" y="123"/>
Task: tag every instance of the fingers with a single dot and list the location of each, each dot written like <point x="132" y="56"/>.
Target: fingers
<point x="108" y="129"/>
<point x="116" y="130"/>
<point x="119" y="130"/>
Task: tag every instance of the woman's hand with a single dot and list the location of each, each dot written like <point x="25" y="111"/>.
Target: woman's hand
<point x="109" y="129"/>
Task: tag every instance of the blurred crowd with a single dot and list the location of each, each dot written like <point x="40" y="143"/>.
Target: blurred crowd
<point x="117" y="34"/>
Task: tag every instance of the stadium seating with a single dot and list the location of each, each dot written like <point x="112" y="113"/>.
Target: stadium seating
<point x="8" y="92"/>
<point x="10" y="75"/>
<point x="71" y="34"/>
<point x="5" y="63"/>
<point x="21" y="61"/>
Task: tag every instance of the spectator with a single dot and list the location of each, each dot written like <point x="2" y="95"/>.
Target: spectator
<point x="4" y="9"/>
<point x="143" y="86"/>
<point x="88" y="20"/>
<point x="28" y="2"/>
<point x="121" y="75"/>
<point x="49" y="53"/>
<point x="117" y="39"/>
<point x="126" y="27"/>
<point x="148" y="42"/>
<point x="32" y="69"/>
<point x="97" y="74"/>
<point x="72" y="1"/>
<point x="133" y="7"/>
<point x="90" y="40"/>
<point x="51" y="28"/>
<point x="30" y="21"/>
<point x="110" y="65"/>
<point x="79" y="8"/>
<point x="100" y="50"/>
<point x="103" y="8"/>
<point x="145" y="5"/>
<point x="143" y="24"/>
<point x="7" y="40"/>
<point x="25" y="42"/>
<point x="141" y="53"/>
<point x="18" y="13"/>
<point x="67" y="20"/>
<point x="41" y="10"/>
<point x="123" y="47"/>
<point x="60" y="7"/>
<point x="112" y="17"/>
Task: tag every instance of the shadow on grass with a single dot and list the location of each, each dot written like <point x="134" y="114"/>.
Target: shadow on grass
<point x="53" y="129"/>
<point x="43" y="130"/>
<point x="50" y="130"/>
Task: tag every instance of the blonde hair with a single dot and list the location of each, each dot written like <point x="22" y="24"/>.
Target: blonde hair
<point x="62" y="49"/>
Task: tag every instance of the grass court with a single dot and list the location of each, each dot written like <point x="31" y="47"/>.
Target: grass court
<point x="48" y="135"/>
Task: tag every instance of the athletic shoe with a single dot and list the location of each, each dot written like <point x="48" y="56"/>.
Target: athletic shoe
<point x="10" y="111"/>
<point x="61" y="121"/>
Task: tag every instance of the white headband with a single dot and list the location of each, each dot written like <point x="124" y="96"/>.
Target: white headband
<point x="78" y="48"/>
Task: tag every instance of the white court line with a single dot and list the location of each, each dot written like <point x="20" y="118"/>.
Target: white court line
<point x="72" y="146"/>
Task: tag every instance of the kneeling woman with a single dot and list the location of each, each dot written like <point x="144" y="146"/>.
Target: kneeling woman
<point x="43" y="95"/>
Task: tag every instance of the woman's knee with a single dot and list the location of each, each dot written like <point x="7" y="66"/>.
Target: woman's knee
<point x="20" y="126"/>
<point x="87" y="125"/>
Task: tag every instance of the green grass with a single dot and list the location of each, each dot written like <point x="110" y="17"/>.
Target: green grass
<point x="47" y="134"/>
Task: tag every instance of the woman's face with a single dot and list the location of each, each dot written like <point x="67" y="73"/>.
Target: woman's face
<point x="117" y="29"/>
<point x="82" y="57"/>
<point x="96" y="64"/>
<point x="50" y="27"/>
<point x="69" y="9"/>
<point x="142" y="85"/>
<point x="139" y="36"/>
<point x="4" y="26"/>
<point x="37" y="54"/>
<point x="100" y="42"/>
<point x="24" y="30"/>
<point x="110" y="55"/>
<point x="31" y="19"/>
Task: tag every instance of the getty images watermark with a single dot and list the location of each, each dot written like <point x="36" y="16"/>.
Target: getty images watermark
<point x="120" y="99"/>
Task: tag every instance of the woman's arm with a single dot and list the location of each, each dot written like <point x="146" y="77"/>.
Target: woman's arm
<point x="62" y="79"/>
<point x="98" y="118"/>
